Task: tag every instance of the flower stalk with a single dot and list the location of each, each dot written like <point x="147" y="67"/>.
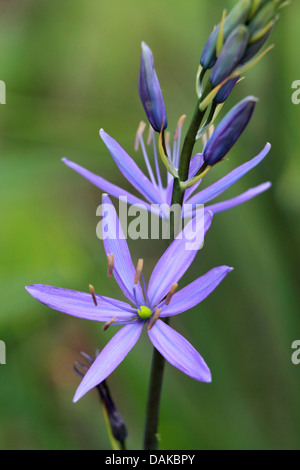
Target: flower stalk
<point x="229" y="61"/>
<point x="228" y="53"/>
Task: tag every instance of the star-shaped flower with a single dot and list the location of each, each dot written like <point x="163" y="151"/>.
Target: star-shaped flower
<point x="152" y="189"/>
<point x="147" y="306"/>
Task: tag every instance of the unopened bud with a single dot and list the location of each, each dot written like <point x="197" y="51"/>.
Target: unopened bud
<point x="150" y="92"/>
<point x="256" y="6"/>
<point x="230" y="56"/>
<point x="263" y="17"/>
<point x="225" y="91"/>
<point x="254" y="47"/>
<point x="228" y="131"/>
<point x="116" y="423"/>
<point x="237" y="16"/>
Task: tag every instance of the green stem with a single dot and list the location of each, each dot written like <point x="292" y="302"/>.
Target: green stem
<point x="189" y="143"/>
<point x="153" y="404"/>
<point x="158" y="362"/>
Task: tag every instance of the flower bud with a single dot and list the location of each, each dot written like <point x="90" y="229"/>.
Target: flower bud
<point x="228" y="131"/>
<point x="237" y="16"/>
<point x="117" y="425"/>
<point x="263" y="17"/>
<point x="230" y="56"/>
<point x="225" y="91"/>
<point x="150" y="92"/>
<point x="254" y="47"/>
<point x="256" y="6"/>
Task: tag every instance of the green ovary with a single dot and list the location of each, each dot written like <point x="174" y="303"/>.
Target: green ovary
<point x="144" y="312"/>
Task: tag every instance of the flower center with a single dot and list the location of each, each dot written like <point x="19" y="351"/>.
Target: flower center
<point x="144" y="312"/>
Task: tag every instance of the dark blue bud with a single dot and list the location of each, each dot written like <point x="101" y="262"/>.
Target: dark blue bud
<point x="150" y="92"/>
<point x="225" y="91"/>
<point x="117" y="424"/>
<point x="228" y="131"/>
<point x="238" y="15"/>
<point x="253" y="48"/>
<point x="230" y="56"/>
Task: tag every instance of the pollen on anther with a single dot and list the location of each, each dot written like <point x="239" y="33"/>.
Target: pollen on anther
<point x="154" y="318"/>
<point x="108" y="323"/>
<point x="171" y="293"/>
<point x="110" y="264"/>
<point x="139" y="268"/>
<point x="92" y="291"/>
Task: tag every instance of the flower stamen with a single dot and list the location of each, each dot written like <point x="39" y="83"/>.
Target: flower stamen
<point x="110" y="265"/>
<point x="138" y="135"/>
<point x="171" y="293"/>
<point x="145" y="290"/>
<point x="108" y="323"/>
<point x="150" y="139"/>
<point x="154" y="318"/>
<point x="92" y="291"/>
<point x="139" y="141"/>
<point x="138" y="271"/>
<point x="179" y="126"/>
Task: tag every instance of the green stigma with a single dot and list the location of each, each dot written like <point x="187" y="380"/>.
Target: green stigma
<point x="144" y="312"/>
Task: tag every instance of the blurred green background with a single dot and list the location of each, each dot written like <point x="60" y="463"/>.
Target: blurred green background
<point x="70" y="68"/>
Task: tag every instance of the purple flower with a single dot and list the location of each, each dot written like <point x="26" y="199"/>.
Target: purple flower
<point x="150" y="92"/>
<point x="146" y="303"/>
<point x="152" y="190"/>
